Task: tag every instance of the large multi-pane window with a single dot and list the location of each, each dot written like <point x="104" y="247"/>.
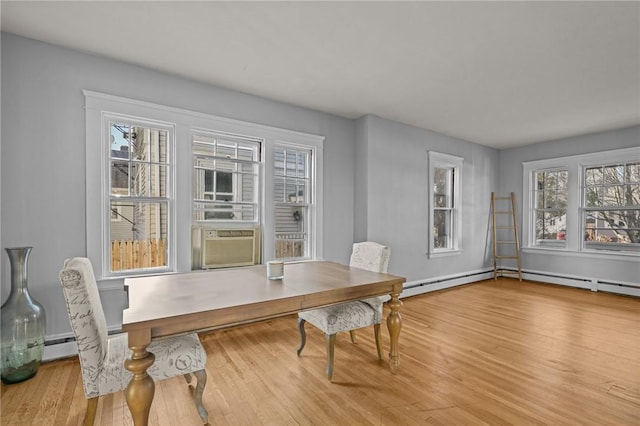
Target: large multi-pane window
<point x="584" y="203"/>
<point x="611" y="206"/>
<point x="292" y="199"/>
<point x="226" y="178"/>
<point x="444" y="213"/>
<point x="550" y="210"/>
<point x="161" y="179"/>
<point x="139" y="197"/>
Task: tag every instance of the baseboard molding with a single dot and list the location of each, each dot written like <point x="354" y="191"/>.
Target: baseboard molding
<point x="64" y="345"/>
<point x="593" y="284"/>
<point x="414" y="288"/>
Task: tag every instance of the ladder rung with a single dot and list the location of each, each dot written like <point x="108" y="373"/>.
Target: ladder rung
<point x="504" y="227"/>
<point x="506" y="257"/>
<point x="505" y="242"/>
<point x="504" y="271"/>
<point x="502" y="198"/>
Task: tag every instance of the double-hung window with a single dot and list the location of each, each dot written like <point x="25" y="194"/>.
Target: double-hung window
<point x="292" y="201"/>
<point x="226" y="179"/>
<point x="611" y="206"/>
<point x="585" y="203"/>
<point x="445" y="218"/>
<point x="158" y="177"/>
<point x="550" y="193"/>
<point x="139" y="196"/>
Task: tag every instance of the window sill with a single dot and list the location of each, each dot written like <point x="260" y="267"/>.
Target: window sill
<point x="587" y="254"/>
<point x="446" y="253"/>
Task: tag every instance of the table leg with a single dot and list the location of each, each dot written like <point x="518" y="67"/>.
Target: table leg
<point x="394" y="324"/>
<point x="140" y="390"/>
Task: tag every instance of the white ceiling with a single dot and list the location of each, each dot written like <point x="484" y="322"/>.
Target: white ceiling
<point x="501" y="74"/>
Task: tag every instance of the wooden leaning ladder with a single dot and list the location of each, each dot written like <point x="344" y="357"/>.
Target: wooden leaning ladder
<point x="508" y="234"/>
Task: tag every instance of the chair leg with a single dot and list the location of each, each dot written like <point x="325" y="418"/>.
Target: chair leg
<point x="303" y="335"/>
<point x="92" y="407"/>
<point x="376" y="330"/>
<point x="201" y="375"/>
<point x="331" y="341"/>
<point x="352" y="333"/>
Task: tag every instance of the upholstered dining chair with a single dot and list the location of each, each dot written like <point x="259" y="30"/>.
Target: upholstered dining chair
<point x="350" y="316"/>
<point x="102" y="356"/>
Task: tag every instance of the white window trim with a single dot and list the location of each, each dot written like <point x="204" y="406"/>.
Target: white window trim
<point x="575" y="164"/>
<point x="436" y="160"/>
<point x="185" y="121"/>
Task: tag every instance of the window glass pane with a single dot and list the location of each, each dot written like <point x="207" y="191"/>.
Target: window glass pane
<point x="442" y="228"/>
<point x="119" y="178"/>
<point x="612" y="226"/>
<point x="232" y="180"/>
<point x="633" y="173"/>
<point x="291" y="189"/>
<point x="221" y="211"/>
<point x="120" y="135"/>
<point x="594" y="176"/>
<point x="593" y="196"/>
<point x="551" y="195"/>
<point x="613" y="174"/>
<point x="148" y="180"/>
<point x="550" y="225"/>
<point x="138" y="234"/>
<point x="139" y="168"/>
<point x="442" y="187"/>
<point x="604" y="226"/>
<point x="278" y="161"/>
<point x="291" y="234"/>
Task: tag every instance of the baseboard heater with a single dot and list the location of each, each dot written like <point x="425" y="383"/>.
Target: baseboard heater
<point x="440" y="283"/>
<point x="479" y="274"/>
<point x="593" y="284"/>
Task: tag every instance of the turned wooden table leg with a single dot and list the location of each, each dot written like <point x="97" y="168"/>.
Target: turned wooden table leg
<point x="140" y="390"/>
<point x="394" y="324"/>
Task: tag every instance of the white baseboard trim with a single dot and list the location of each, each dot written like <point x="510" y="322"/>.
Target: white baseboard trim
<point x="428" y="285"/>
<point x="60" y="350"/>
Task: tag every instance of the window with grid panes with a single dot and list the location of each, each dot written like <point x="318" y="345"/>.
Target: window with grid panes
<point x="611" y="206"/>
<point x="550" y="192"/>
<point x="139" y="198"/>
<point x="292" y="198"/>
<point x="444" y="213"/>
<point x="587" y="203"/>
<point x="226" y="178"/>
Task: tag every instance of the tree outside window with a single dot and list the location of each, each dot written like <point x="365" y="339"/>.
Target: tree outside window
<point x="551" y="196"/>
<point x="611" y="208"/>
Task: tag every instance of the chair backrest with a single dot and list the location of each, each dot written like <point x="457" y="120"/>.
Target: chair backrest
<point x="87" y="319"/>
<point x="370" y="256"/>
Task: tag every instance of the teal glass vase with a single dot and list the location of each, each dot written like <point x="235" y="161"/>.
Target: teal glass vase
<point x="22" y="326"/>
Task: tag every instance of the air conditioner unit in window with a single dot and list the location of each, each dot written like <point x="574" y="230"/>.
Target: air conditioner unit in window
<point x="230" y="247"/>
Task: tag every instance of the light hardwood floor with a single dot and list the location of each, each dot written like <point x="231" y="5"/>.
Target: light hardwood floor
<point x="495" y="352"/>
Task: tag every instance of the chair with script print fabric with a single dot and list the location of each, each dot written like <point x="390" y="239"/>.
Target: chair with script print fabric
<point x="102" y="356"/>
<point x="350" y="316"/>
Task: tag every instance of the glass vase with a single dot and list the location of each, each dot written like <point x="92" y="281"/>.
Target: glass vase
<point x="22" y="326"/>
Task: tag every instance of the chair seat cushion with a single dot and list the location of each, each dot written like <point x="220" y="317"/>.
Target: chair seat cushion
<point x="174" y="356"/>
<point x="343" y="317"/>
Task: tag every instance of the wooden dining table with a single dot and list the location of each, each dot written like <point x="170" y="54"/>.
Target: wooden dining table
<point x="173" y="304"/>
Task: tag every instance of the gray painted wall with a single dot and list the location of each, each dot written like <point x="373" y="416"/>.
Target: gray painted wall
<point x="511" y="180"/>
<point x="43" y="156"/>
<point x="396" y="196"/>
